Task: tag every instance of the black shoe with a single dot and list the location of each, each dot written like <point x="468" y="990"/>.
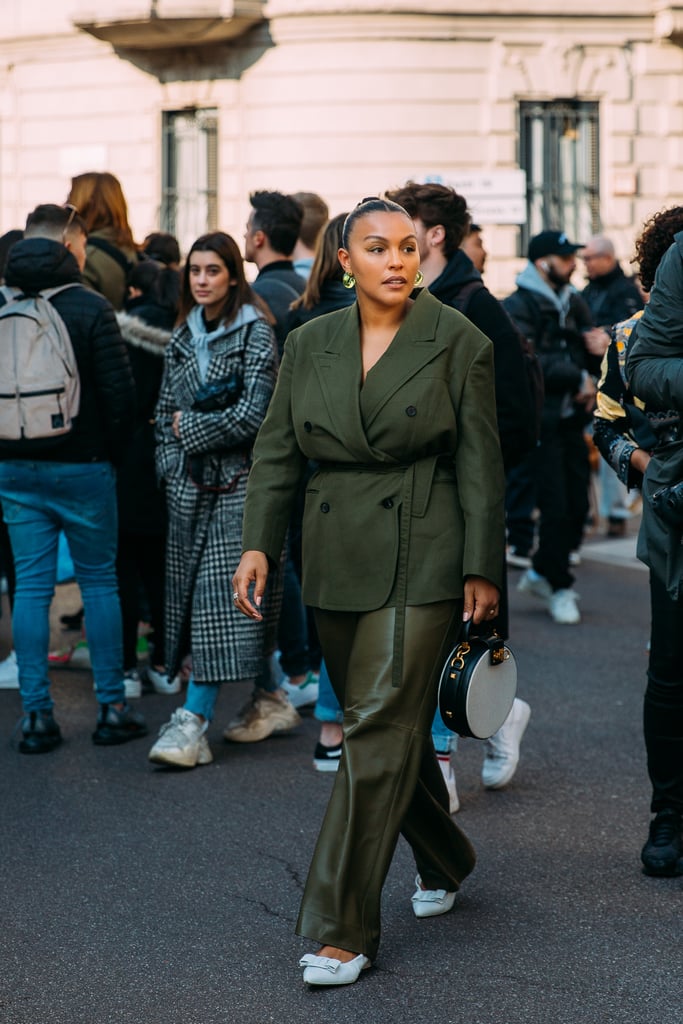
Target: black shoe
<point x="114" y="726"/>
<point x="40" y="733"/>
<point x="662" y="854"/>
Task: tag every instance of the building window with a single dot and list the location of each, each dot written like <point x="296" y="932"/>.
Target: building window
<point x="189" y="174"/>
<point x="559" y="152"/>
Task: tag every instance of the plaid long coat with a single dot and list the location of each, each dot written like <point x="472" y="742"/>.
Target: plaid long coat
<point x="205" y="527"/>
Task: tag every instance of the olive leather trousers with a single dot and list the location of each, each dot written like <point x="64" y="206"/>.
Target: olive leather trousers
<point x="389" y="781"/>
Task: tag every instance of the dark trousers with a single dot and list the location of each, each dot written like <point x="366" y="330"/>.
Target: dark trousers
<point x="562" y="479"/>
<point x="389" y="781"/>
<point x="663" y="704"/>
<point x="520" y="505"/>
<point x="141" y="561"/>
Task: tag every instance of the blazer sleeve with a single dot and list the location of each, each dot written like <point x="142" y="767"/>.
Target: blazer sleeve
<point x="654" y="362"/>
<point x="277" y="470"/>
<point x="479" y="470"/>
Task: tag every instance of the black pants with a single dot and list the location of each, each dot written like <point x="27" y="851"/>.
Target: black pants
<point x="141" y="560"/>
<point x="663" y="704"/>
<point x="389" y="781"/>
<point x="562" y="478"/>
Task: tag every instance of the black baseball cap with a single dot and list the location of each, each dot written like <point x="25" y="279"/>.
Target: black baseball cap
<point x="551" y="243"/>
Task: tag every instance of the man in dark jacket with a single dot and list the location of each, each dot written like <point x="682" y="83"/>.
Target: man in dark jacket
<point x="269" y="241"/>
<point x="69" y="486"/>
<point x="551" y="313"/>
<point x="610" y="294"/>
<point x="441" y="221"/>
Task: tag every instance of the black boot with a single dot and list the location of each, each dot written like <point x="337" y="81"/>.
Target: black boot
<point x="662" y="854"/>
<point x="40" y="733"/>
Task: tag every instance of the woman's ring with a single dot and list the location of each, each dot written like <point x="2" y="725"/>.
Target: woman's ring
<point x="235" y="596"/>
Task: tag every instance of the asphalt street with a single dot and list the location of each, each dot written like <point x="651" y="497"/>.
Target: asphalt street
<point x="135" y="894"/>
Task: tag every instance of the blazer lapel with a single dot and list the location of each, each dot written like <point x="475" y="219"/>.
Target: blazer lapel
<point x="338" y="368"/>
<point x="413" y="347"/>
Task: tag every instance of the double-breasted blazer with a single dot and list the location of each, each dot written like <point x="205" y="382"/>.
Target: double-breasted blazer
<point x="408" y="495"/>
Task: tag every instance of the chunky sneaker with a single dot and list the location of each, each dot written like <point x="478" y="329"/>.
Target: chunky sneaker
<point x="662" y="854"/>
<point x="532" y="583"/>
<point x="563" y="607"/>
<point x="160" y="682"/>
<point x="517" y="559"/>
<point x="9" y="672"/>
<point x="265" y="714"/>
<point x="39" y="733"/>
<point x="302" y="695"/>
<point x="182" y="741"/>
<point x="132" y="683"/>
<point x="80" y="656"/>
<point x="114" y="726"/>
<point x="502" y="749"/>
<point x="449" y="778"/>
<point x="326" y="759"/>
<point x="431" y="902"/>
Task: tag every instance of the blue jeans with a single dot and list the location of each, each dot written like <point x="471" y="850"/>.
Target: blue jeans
<point x="39" y="499"/>
<point x="201" y="698"/>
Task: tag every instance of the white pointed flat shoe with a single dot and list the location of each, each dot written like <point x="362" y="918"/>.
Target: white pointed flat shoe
<point x="431" y="902"/>
<point x="324" y="970"/>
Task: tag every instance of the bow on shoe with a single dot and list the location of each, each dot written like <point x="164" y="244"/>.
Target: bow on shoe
<point x="325" y="963"/>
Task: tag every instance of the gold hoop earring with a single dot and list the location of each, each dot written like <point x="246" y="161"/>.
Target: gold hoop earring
<point x="419" y="278"/>
<point x="348" y="280"/>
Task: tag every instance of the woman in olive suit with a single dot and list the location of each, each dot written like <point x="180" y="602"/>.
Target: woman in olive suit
<point x="403" y="537"/>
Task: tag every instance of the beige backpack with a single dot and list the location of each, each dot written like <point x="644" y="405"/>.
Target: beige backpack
<point x="40" y="387"/>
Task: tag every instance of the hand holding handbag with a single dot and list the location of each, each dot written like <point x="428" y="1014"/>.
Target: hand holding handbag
<point x="477" y="685"/>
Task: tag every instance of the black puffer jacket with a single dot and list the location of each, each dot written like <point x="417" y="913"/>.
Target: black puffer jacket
<point x="102" y="428"/>
<point x="613" y="297"/>
<point x="514" y="402"/>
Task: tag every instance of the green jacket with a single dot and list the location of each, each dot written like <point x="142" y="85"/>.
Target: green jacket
<point x="408" y="496"/>
<point x="104" y="274"/>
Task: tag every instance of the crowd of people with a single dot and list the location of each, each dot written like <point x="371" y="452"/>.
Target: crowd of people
<point x="240" y="454"/>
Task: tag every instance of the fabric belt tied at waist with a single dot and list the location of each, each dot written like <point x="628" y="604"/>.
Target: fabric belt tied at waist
<point x="415" y="492"/>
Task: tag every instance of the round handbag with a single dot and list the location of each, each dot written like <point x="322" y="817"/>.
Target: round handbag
<point x="477" y="685"/>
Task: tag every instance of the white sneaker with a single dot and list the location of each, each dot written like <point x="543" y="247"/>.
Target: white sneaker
<point x="516" y="560"/>
<point x="132" y="683"/>
<point x="182" y="741"/>
<point x="532" y="583"/>
<point x="9" y="672"/>
<point x="563" y="607"/>
<point x="449" y="778"/>
<point x="302" y="695"/>
<point x="160" y="682"/>
<point x="502" y="749"/>
<point x="264" y="714"/>
<point x="575" y="558"/>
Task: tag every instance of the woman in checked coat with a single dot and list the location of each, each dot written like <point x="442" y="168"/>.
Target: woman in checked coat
<point x="203" y="458"/>
<point x="402" y="539"/>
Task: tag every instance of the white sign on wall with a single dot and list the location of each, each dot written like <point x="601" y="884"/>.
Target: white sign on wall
<point x="493" y="197"/>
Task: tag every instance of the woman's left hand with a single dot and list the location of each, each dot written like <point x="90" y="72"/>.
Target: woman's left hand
<point x="253" y="569"/>
<point x="175" y="424"/>
<point x="481" y="600"/>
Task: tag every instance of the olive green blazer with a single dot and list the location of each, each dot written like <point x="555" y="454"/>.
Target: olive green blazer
<point x="408" y="496"/>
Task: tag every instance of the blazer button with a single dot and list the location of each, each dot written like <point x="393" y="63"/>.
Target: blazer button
<point x="411" y="411"/>
<point x="324" y="507"/>
<point x="388" y="503"/>
<point x="308" y="426"/>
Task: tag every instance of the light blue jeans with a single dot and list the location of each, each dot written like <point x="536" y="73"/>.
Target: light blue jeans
<point x="201" y="698"/>
<point x="40" y="499"/>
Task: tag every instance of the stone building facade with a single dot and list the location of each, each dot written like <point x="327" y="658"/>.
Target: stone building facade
<point x="541" y="114"/>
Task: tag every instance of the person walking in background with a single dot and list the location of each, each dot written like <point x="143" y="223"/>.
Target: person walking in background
<point x="557" y="322"/>
<point x="473" y="246"/>
<point x="394" y="400"/>
<point x="219" y="372"/>
<point x="653" y="398"/>
<point x="146" y="327"/>
<point x="69" y="484"/>
<point x="315" y="216"/>
<point x="612" y="297"/>
<point x="112" y="252"/>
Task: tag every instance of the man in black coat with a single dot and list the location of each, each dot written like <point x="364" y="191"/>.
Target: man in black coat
<point x="68" y="484"/>
<point x="610" y="294"/>
<point x="441" y="222"/>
